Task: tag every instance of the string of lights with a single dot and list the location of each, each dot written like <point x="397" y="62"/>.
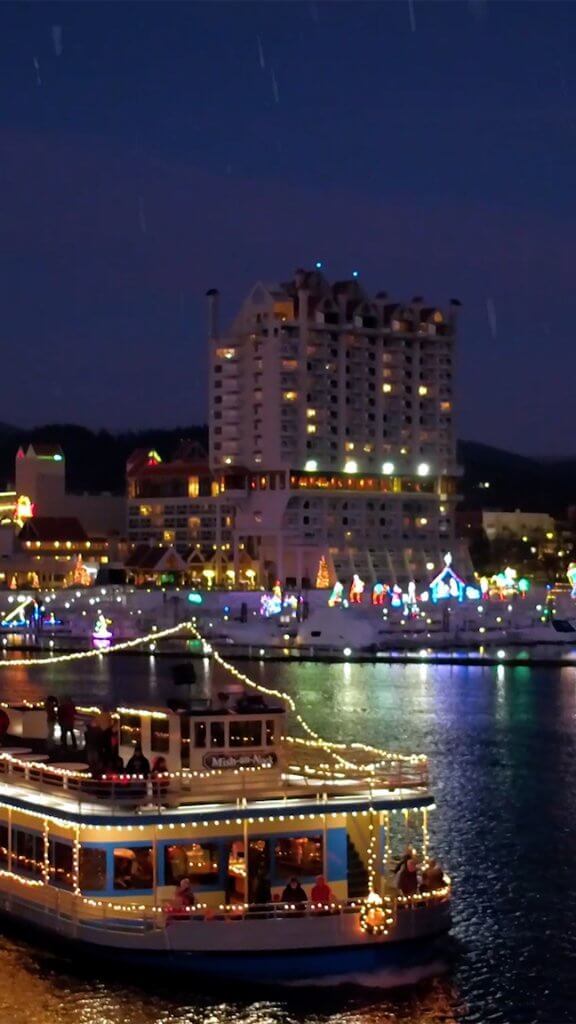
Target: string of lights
<point x="100" y="652"/>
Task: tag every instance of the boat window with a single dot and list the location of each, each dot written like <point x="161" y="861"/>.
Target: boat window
<point x="3" y="844"/>
<point x="258" y="857"/>
<point x="315" y="632"/>
<point x="159" y="736"/>
<point x="270" y="738"/>
<point x="130" y="729"/>
<point x="92" y="869"/>
<point x="216" y="734"/>
<point x="246" y="734"/>
<point x="27" y="852"/>
<point x="300" y="856"/>
<point x="185" y="741"/>
<point x="133" y="867"/>
<point x="199" y="734"/>
<point x="197" y="861"/>
<point x="61" y="864"/>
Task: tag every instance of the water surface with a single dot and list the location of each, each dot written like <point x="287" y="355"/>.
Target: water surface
<point x="503" y="759"/>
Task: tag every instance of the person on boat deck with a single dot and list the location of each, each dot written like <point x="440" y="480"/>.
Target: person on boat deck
<point x="4" y="724"/>
<point x="184" y="897"/>
<point x="51" y="708"/>
<point x="66" y="719"/>
<point x="261" y="891"/>
<point x="321" y="891"/>
<point x="138" y="764"/>
<point x="104" y="725"/>
<point x="294" y="893"/>
<point x="432" y="877"/>
<point x="92" y="746"/>
<point x="160" y="768"/>
<point x="408" y="855"/>
<point x="408" y="878"/>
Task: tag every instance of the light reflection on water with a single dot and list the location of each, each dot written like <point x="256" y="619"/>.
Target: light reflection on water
<point x="502" y="750"/>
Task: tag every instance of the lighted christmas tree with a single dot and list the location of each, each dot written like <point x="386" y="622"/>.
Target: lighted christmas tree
<point x="322" y="576"/>
<point x="79" y="575"/>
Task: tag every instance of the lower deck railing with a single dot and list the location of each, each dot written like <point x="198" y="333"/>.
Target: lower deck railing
<point x="77" y="909"/>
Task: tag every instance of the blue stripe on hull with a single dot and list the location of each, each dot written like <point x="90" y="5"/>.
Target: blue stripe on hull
<point x="282" y="968"/>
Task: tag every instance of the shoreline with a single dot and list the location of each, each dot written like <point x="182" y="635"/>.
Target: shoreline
<point x="251" y="653"/>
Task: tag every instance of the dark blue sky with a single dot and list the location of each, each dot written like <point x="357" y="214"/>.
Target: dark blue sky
<point x="147" y="155"/>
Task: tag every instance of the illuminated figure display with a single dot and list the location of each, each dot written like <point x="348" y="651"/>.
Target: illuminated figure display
<point x="447" y="584"/>
<point x="396" y="599"/>
<point x="379" y="592"/>
<point x="506" y="584"/>
<point x="101" y="630"/>
<point x="336" y="595"/>
<point x="356" y="590"/>
<point x="571" y="574"/>
<point x="410" y="600"/>
<point x="271" y="604"/>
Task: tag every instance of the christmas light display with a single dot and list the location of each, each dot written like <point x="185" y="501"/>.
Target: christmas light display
<point x="571" y="574"/>
<point x="356" y="590"/>
<point x="336" y="595"/>
<point x="101" y="629"/>
<point x="379" y="592"/>
<point x="322" y="576"/>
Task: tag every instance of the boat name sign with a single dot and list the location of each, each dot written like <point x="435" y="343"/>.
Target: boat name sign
<point x="239" y="760"/>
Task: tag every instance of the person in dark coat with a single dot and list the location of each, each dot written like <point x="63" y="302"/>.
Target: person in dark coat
<point x="261" y="892"/>
<point x="138" y="764"/>
<point x="51" y="708"/>
<point x="4" y="724"/>
<point x="66" y="719"/>
<point x="294" y="893"/>
<point x="408" y="879"/>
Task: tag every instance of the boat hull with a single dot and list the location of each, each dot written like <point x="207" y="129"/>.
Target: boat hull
<point x="237" y="950"/>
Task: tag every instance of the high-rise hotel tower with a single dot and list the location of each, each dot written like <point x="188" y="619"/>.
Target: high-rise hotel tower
<point x="338" y="406"/>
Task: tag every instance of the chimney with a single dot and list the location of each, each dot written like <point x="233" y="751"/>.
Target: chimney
<point x="213" y="296"/>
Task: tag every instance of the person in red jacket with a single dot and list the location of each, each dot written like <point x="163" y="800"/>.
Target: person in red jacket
<point x="321" y="892"/>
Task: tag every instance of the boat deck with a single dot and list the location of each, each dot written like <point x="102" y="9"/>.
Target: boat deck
<point x="306" y="775"/>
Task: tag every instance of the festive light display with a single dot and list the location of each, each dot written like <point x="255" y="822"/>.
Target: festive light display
<point x="101" y="629"/>
<point x="571" y="574"/>
<point x="379" y="591"/>
<point x="322" y="576"/>
<point x="356" y="590"/>
<point x="125" y="645"/>
<point x="336" y="596"/>
<point x="79" y="575"/>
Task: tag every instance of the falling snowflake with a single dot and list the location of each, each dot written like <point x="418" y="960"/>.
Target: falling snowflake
<point x="260" y="52"/>
<point x="412" y="14"/>
<point x="491" y="312"/>
<point x="275" y="88"/>
<point x="57" y="39"/>
<point x="37" y="70"/>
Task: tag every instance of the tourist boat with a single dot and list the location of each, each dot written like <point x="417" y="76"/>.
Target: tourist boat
<point x="96" y="861"/>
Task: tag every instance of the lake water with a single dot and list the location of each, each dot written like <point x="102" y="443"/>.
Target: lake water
<point x="501" y="743"/>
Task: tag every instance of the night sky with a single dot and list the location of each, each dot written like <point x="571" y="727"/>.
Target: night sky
<point x="152" y="151"/>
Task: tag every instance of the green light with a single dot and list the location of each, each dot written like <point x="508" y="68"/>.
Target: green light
<point x="195" y="598"/>
<point x="523" y="585"/>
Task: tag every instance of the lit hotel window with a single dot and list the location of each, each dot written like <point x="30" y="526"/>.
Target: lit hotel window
<point x="289" y="396"/>
<point x="386" y="388"/>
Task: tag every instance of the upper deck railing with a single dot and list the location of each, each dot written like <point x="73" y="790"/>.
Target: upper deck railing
<point x="305" y="772"/>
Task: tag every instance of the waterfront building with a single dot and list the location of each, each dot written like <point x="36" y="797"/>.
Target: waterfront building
<point x="40" y="480"/>
<point x="182" y="503"/>
<point x="339" y="406"/>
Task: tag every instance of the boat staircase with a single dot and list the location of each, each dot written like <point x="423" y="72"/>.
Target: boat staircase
<point x="357" y="873"/>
